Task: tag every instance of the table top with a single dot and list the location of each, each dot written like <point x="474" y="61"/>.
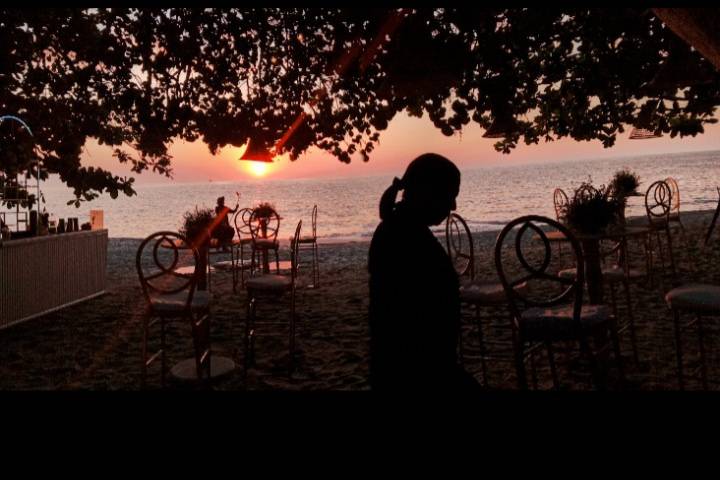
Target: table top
<point x="617" y="232"/>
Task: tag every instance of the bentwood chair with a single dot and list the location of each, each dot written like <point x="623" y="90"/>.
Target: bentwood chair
<point x="658" y="205"/>
<point x="272" y="286"/>
<point x="309" y="242"/>
<point x="476" y="293"/>
<point x="702" y="301"/>
<point x="244" y="241"/>
<point x="264" y="227"/>
<point x="674" y="217"/>
<point x="169" y="294"/>
<point x="560" y="202"/>
<point x="551" y="309"/>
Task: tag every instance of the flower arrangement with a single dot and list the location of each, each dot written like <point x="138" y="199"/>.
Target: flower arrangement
<point x="196" y="223"/>
<point x="624" y="183"/>
<point x="592" y="211"/>
<point x="265" y="209"/>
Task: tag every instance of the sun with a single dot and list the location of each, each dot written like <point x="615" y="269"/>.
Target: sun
<point x="258" y="169"/>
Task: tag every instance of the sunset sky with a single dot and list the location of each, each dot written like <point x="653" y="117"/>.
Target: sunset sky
<point x="404" y="139"/>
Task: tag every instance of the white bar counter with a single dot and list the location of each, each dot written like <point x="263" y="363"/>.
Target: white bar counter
<point x="39" y="275"/>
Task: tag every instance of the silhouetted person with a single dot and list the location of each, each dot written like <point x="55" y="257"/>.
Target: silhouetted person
<point x="414" y="289"/>
<point x="223" y="231"/>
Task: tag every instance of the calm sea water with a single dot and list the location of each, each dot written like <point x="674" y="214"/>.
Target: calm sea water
<point x="489" y="196"/>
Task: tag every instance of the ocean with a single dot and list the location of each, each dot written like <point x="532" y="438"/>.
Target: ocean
<point x="348" y="207"/>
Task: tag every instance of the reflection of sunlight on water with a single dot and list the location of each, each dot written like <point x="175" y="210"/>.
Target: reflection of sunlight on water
<point x="348" y="207"/>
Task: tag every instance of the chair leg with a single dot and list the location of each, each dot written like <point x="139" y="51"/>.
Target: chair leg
<point x="519" y="350"/>
<point x="670" y="251"/>
<point x="143" y="381"/>
<point x="701" y="344"/>
<point x="553" y="369"/>
<point x="481" y="339"/>
<point x="533" y="370"/>
<point x="631" y="322"/>
<point x="316" y="259"/>
<point x="678" y="349"/>
<point x="163" y="367"/>
<point x="292" y="332"/>
<point x="615" y="339"/>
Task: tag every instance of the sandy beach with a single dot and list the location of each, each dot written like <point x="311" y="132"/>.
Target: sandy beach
<point x="96" y="345"/>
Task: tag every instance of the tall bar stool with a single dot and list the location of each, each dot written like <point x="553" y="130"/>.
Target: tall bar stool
<point x="550" y="310"/>
<point x="272" y="286"/>
<point x="170" y="294"/>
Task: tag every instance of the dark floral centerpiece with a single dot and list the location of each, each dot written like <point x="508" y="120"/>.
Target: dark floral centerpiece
<point x="265" y="209"/>
<point x="624" y="184"/>
<point x="196" y="223"/>
<point x="592" y="210"/>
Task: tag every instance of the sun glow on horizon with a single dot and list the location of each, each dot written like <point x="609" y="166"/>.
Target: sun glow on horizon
<point x="258" y="169"/>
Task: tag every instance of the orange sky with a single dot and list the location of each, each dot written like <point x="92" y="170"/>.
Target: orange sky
<point x="404" y="139"/>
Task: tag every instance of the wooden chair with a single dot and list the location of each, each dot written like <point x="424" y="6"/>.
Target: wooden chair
<point x="272" y="286"/>
<point x="169" y="294"/>
<point x="264" y="230"/>
<point x="309" y="242"/>
<point x="478" y="294"/>
<point x="550" y="310"/>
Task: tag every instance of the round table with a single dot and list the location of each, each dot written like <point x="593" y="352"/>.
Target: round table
<point x="591" y="252"/>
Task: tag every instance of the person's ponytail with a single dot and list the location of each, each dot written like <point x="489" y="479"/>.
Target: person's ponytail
<point x="387" y="201"/>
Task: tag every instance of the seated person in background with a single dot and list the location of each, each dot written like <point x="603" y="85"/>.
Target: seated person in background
<point x="414" y="309"/>
<point x="223" y="232"/>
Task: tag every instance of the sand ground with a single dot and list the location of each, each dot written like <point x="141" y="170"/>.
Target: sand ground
<point x="96" y="345"/>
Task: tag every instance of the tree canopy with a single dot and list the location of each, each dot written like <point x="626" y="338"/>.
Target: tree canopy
<point x="139" y="79"/>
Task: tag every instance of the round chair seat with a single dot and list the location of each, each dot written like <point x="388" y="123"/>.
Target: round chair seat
<point x="175" y="303"/>
<point x="486" y="293"/>
<point x="610" y="274"/>
<point x="694" y="297"/>
<point x="269" y="282"/>
<point x="558" y="321"/>
<point x="553" y="236"/>
<point x="229" y="265"/>
<point x="266" y="243"/>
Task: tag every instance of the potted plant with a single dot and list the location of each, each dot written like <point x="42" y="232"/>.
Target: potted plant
<point x="593" y="211"/>
<point x="265" y="209"/>
<point x="196" y="223"/>
<point x="624" y="184"/>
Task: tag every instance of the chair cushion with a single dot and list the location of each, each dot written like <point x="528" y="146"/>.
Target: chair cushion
<point x="613" y="273"/>
<point x="304" y="239"/>
<point x="269" y="282"/>
<point x="554" y="236"/>
<point x="266" y="243"/>
<point x="557" y="321"/>
<point x="696" y="297"/>
<point x="174" y="303"/>
<point x="486" y="293"/>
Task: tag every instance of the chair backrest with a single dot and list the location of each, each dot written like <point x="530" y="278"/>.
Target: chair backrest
<point x="294" y="247"/>
<point x="158" y="259"/>
<point x="264" y="224"/>
<point x="585" y="190"/>
<point x="460" y="245"/>
<point x="524" y="262"/>
<point x="560" y="200"/>
<point x="658" y="201"/>
<point x="314" y="221"/>
<point x="675" y="191"/>
<point x="242" y="222"/>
